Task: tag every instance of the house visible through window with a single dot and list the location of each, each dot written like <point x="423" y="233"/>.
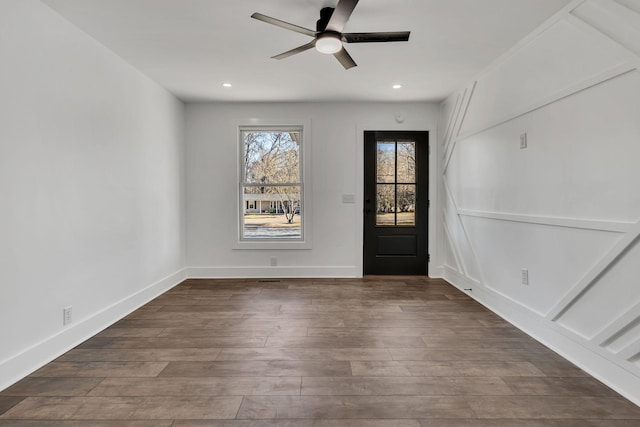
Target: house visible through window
<point x="271" y="184"/>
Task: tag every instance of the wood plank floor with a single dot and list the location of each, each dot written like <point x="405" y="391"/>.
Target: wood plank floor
<point x="381" y="352"/>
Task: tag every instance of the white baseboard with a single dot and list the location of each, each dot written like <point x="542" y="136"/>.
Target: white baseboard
<point x="544" y="331"/>
<point x="272" y="272"/>
<point x="38" y="355"/>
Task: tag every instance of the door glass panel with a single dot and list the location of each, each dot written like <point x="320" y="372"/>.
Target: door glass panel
<point x="406" y="205"/>
<point x="406" y="162"/>
<point x="386" y="161"/>
<point x="385" y="204"/>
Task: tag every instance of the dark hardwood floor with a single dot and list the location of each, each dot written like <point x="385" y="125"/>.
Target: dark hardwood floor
<point x="381" y="352"/>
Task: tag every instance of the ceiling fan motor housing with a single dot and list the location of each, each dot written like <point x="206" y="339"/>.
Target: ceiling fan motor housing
<point x="325" y="16"/>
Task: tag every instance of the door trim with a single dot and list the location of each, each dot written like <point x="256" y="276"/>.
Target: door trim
<point x="423" y="211"/>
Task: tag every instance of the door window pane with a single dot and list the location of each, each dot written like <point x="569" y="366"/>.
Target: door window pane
<point x="386" y="162"/>
<point x="406" y="162"/>
<point x="406" y="205"/>
<point x="385" y="204"/>
<point x="395" y="183"/>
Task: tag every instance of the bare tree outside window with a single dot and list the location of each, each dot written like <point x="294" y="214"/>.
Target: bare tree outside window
<point x="271" y="184"/>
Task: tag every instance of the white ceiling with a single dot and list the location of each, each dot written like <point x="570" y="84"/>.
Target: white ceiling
<point x="191" y="47"/>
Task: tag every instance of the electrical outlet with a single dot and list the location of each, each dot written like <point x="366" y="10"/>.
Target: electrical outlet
<point x="274" y="261"/>
<point x="66" y="315"/>
<point x="524" y="276"/>
<point x="523" y="140"/>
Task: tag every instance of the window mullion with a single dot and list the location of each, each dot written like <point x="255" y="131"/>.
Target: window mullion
<point x="395" y="185"/>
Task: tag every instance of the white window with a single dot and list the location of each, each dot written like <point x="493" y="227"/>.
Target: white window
<point x="271" y="188"/>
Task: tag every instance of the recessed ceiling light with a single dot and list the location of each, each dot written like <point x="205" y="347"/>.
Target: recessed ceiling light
<point x="397" y="86"/>
<point x="226" y="84"/>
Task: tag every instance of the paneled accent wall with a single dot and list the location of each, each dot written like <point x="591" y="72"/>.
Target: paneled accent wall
<point x="567" y="206"/>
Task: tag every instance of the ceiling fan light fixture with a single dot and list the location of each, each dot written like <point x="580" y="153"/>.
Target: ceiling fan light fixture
<point x="329" y="43"/>
<point x="328" y="38"/>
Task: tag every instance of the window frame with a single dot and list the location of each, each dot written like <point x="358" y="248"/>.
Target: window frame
<point x="304" y="127"/>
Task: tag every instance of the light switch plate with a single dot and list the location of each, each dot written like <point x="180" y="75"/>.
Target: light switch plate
<point x="348" y="198"/>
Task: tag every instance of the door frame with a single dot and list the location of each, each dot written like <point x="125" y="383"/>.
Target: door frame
<point x="424" y="193"/>
<point x="400" y="118"/>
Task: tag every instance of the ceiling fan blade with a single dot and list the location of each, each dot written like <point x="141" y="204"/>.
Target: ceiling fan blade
<point x="299" y="49"/>
<point x="393" y="36"/>
<point x="282" y="24"/>
<point x="341" y="15"/>
<point x="345" y="59"/>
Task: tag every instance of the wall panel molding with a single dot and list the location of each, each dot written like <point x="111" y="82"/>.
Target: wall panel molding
<point x="617" y="326"/>
<point x="585" y="224"/>
<point x="457" y="122"/>
<point x="472" y="258"/>
<point x="590" y="312"/>
<point x="447" y="137"/>
<point x="630" y="351"/>
<point x="458" y="260"/>
<point x="612" y="73"/>
<point x="592" y="276"/>
<point x="622" y="377"/>
<point x="529" y="38"/>
<point x="634" y="5"/>
<point x="614" y="20"/>
<point x="596" y="43"/>
<point x="633" y="59"/>
<point x="522" y="306"/>
<point x="450" y="216"/>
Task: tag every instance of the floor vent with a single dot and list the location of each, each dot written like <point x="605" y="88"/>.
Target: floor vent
<point x="268" y="280"/>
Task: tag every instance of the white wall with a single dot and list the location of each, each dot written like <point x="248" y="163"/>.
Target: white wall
<point x="567" y="208"/>
<point x="336" y="169"/>
<point x="91" y="187"/>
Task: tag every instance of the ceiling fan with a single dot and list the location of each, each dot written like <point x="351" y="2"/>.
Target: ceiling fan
<point x="329" y="38"/>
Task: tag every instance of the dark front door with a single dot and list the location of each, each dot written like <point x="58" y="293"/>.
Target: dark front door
<point x="396" y="193"/>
